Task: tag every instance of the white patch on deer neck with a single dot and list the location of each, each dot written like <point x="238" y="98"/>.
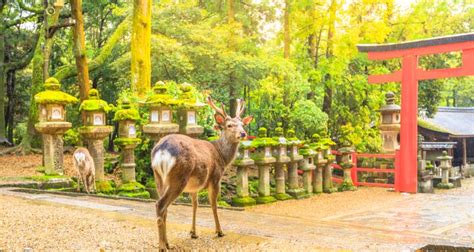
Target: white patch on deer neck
<point x="162" y="163"/>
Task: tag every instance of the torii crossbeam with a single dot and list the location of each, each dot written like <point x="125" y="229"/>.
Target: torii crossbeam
<point x="409" y="75"/>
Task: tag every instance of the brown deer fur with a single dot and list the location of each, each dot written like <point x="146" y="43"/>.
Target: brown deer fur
<point x="183" y="164"/>
<point x="84" y="166"/>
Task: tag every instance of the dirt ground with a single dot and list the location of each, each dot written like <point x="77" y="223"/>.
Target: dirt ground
<point x="23" y="166"/>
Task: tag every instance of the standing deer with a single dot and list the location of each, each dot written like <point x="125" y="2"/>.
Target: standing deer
<point x="84" y="165"/>
<point x="184" y="164"/>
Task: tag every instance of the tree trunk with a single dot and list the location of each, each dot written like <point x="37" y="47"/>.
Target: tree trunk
<point x="11" y="79"/>
<point x="80" y="49"/>
<point x="232" y="47"/>
<point x="140" y="45"/>
<point x="50" y="21"/>
<point x="286" y="30"/>
<point x="327" y="102"/>
<point x="3" y="73"/>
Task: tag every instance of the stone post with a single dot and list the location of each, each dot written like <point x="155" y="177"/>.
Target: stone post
<point x="282" y="159"/>
<point x="318" y="173"/>
<point x="52" y="124"/>
<point x="328" y="186"/>
<point x="346" y="165"/>
<point x="445" y="166"/>
<point x="263" y="159"/>
<point x="243" y="162"/>
<point x="94" y="131"/>
<point x="294" y="189"/>
<point x="308" y="167"/>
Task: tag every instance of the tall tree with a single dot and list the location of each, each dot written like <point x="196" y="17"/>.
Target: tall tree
<point x="327" y="103"/>
<point x="80" y="48"/>
<point x="141" y="47"/>
<point x="286" y="30"/>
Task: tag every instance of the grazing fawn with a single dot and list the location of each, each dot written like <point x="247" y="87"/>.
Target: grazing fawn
<point x="184" y="164"/>
<point x="84" y="165"/>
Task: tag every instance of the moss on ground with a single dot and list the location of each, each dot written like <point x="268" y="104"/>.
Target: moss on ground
<point x="282" y="196"/>
<point x="45" y="178"/>
<point x="104" y="187"/>
<point x="133" y="190"/>
<point x="243" y="201"/>
<point x="265" y="199"/>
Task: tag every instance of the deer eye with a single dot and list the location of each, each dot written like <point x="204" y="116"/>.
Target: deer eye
<point x="229" y="126"/>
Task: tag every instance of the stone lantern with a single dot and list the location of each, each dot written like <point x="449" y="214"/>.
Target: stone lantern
<point x="325" y="159"/>
<point x="445" y="166"/>
<point x="308" y="166"/>
<point x="346" y="165"/>
<point x="293" y="186"/>
<point x="94" y="131"/>
<point x="127" y="140"/>
<point x="282" y="159"/>
<point x="243" y="162"/>
<point x="263" y="159"/>
<point x="320" y="163"/>
<point x="52" y="124"/>
<point x="390" y="124"/>
<point x="161" y="106"/>
<point x="188" y="112"/>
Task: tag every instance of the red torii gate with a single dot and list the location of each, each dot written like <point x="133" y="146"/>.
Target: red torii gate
<point x="409" y="75"/>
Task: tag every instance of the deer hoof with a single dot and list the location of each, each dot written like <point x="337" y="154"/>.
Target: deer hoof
<point x="220" y="234"/>
<point x="193" y="235"/>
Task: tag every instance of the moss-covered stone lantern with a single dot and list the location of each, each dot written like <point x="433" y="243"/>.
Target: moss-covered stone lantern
<point x="346" y="165"/>
<point x="188" y="111"/>
<point x="319" y="161"/>
<point x="293" y="185"/>
<point x="127" y="141"/>
<point x="282" y="160"/>
<point x="94" y="131"/>
<point x="445" y="166"/>
<point x="308" y="167"/>
<point x="162" y="106"/>
<point x="243" y="162"/>
<point x="264" y="159"/>
<point x="326" y="158"/>
<point x="390" y="123"/>
<point x="52" y="124"/>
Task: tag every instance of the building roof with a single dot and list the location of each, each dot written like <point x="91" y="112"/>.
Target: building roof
<point x="455" y="121"/>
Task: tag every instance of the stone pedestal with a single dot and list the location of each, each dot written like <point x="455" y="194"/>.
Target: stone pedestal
<point x="318" y="173"/>
<point x="308" y="167"/>
<point x="243" y="162"/>
<point x="282" y="160"/>
<point x="127" y="162"/>
<point x="328" y="186"/>
<point x="346" y="165"/>
<point x="94" y="137"/>
<point x="52" y="135"/>
<point x="293" y="185"/>
<point x="157" y="131"/>
<point x="264" y="165"/>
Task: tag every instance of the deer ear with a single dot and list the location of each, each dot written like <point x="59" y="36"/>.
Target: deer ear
<point x="219" y="119"/>
<point x="247" y="120"/>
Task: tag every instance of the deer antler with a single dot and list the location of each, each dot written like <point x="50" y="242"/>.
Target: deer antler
<point x="240" y="107"/>
<point x="220" y="111"/>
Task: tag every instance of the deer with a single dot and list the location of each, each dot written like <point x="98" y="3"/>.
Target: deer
<point x="85" y="168"/>
<point x="184" y="164"/>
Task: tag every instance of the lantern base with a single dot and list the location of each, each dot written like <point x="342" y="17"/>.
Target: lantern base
<point x="445" y="186"/>
<point x="95" y="132"/>
<point x="265" y="199"/>
<point x="282" y="196"/>
<point x="243" y="201"/>
<point x="53" y="128"/>
<point x="298" y="193"/>
<point x="133" y="190"/>
<point x="104" y="186"/>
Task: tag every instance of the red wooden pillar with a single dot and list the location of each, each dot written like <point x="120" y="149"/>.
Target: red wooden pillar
<point x="354" y="169"/>
<point x="409" y="125"/>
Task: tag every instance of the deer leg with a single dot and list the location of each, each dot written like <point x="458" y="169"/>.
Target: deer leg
<point x="161" y="212"/>
<point x="79" y="179"/>
<point x="214" y="190"/>
<point x="85" y="182"/>
<point x="195" y="204"/>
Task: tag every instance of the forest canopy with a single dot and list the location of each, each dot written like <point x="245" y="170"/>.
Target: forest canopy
<point x="294" y="62"/>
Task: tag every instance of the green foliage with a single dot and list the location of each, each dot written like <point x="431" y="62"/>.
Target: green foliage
<point x="72" y="137"/>
<point x="307" y="118"/>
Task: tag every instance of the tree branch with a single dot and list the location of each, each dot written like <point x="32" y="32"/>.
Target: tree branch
<point x="19" y="21"/>
<point x="34" y="9"/>
<point x="68" y="71"/>
<point x="20" y="64"/>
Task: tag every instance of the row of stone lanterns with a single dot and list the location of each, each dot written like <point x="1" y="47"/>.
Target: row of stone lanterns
<point x="52" y="125"/>
<point x="280" y="152"/>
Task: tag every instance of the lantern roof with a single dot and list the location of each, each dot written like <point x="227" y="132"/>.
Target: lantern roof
<point x="161" y="96"/>
<point x="390" y="105"/>
<point x="262" y="140"/>
<point x="291" y="137"/>
<point x="52" y="94"/>
<point x="188" y="97"/>
<point x="126" y="112"/>
<point x="94" y="103"/>
<point x="279" y="136"/>
<point x="444" y="156"/>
